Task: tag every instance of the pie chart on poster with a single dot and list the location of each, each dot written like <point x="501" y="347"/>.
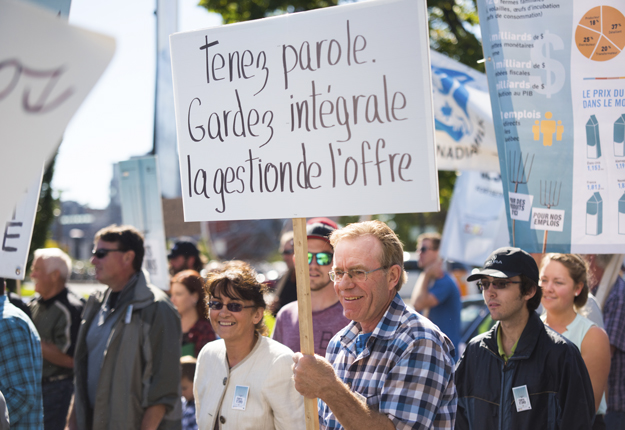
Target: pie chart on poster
<point x="600" y="34"/>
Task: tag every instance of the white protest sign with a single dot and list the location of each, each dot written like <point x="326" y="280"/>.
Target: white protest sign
<point x="47" y="68"/>
<point x="18" y="231"/>
<point x="476" y="222"/>
<point x="520" y="206"/>
<point x="547" y="219"/>
<point x="321" y="113"/>
<point x="142" y="207"/>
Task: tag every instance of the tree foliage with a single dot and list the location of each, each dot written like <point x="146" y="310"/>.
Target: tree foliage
<point x="45" y="211"/>
<point x="451" y="32"/>
<point x="451" y="23"/>
<point x="245" y="10"/>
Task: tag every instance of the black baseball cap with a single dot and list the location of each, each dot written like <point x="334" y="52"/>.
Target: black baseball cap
<point x="188" y="249"/>
<point x="320" y="228"/>
<point x="506" y="263"/>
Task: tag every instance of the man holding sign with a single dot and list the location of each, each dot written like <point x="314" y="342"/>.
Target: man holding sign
<point x="390" y="367"/>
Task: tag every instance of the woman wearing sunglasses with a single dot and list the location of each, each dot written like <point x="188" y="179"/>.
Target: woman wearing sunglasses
<point x="243" y="380"/>
<point x="564" y="281"/>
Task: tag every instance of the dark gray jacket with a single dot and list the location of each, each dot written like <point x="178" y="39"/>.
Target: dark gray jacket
<point x="141" y="366"/>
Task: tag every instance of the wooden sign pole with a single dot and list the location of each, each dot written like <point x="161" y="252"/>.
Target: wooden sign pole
<point x="307" y="346"/>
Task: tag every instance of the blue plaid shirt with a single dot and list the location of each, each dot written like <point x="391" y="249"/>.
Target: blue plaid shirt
<point x="20" y="368"/>
<point x="406" y="370"/>
<point x="188" y="415"/>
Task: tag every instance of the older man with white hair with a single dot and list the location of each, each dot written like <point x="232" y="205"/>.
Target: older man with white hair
<point x="56" y="313"/>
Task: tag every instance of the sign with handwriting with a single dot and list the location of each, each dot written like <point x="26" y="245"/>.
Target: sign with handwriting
<point x="327" y="112"/>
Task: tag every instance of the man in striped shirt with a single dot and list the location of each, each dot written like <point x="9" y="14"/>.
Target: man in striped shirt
<point x="56" y="313"/>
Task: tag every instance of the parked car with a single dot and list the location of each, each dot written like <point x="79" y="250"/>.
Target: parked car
<point x="474" y="319"/>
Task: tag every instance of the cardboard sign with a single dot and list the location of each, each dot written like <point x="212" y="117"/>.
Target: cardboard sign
<point x="547" y="219"/>
<point x="327" y="112"/>
<point x="17" y="233"/>
<point x="140" y="197"/>
<point x="520" y="206"/>
<point x="47" y="68"/>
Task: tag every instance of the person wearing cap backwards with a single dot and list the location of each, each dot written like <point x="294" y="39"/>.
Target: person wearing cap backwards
<point x="184" y="256"/>
<point x="327" y="312"/>
<point x="520" y="374"/>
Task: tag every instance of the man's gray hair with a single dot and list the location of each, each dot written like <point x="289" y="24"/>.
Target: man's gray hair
<point x="55" y="259"/>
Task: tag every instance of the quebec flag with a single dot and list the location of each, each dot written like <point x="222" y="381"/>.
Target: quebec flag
<point x="465" y="135"/>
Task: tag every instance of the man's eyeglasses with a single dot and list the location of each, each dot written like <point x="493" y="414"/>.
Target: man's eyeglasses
<point x="423" y="249"/>
<point x="483" y="284"/>
<point x="103" y="252"/>
<point x="287" y="252"/>
<point x="354" y="275"/>
<point x="323" y="258"/>
<point x="232" y="307"/>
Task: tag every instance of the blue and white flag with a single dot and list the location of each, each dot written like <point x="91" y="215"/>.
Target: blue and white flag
<point x="465" y="137"/>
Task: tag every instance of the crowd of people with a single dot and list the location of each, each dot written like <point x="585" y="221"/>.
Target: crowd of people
<point x="132" y="356"/>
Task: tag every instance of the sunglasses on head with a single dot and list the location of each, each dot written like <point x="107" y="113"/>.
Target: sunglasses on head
<point x="323" y="258"/>
<point x="232" y="307"/>
<point x="102" y="252"/>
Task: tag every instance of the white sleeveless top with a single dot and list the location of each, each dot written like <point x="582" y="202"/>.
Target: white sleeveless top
<point x="575" y="332"/>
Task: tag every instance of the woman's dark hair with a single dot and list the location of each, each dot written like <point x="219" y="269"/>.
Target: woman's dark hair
<point x="578" y="271"/>
<point x="237" y="281"/>
<point x="527" y="285"/>
<point x="194" y="284"/>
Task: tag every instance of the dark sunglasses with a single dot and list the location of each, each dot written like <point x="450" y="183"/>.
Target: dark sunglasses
<point x="423" y="249"/>
<point x="101" y="253"/>
<point x="232" y="307"/>
<point x="323" y="258"/>
<point x="483" y="284"/>
<point x="287" y="252"/>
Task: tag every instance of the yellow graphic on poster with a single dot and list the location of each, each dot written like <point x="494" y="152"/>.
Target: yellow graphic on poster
<point x="547" y="127"/>
<point x="600" y="34"/>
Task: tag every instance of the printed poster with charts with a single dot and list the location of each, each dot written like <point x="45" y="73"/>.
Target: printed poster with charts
<point x="556" y="75"/>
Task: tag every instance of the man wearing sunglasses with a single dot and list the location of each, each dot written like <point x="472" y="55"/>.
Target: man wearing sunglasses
<point x="127" y="357"/>
<point x="520" y="374"/>
<point x="327" y="312"/>
<point x="390" y="368"/>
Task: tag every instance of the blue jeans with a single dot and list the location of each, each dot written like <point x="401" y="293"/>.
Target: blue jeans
<point x="615" y="420"/>
<point x="56" y="398"/>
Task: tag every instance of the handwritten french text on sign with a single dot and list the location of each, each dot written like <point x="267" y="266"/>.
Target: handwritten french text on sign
<point x="547" y="219"/>
<point x="329" y="111"/>
<point x="520" y="206"/>
<point x="47" y="68"/>
<point x="17" y="233"/>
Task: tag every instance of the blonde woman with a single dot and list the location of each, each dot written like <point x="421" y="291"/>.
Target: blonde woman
<point x="564" y="281"/>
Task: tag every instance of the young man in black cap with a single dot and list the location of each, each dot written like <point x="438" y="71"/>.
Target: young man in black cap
<point x="520" y="374"/>
<point x="184" y="256"/>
